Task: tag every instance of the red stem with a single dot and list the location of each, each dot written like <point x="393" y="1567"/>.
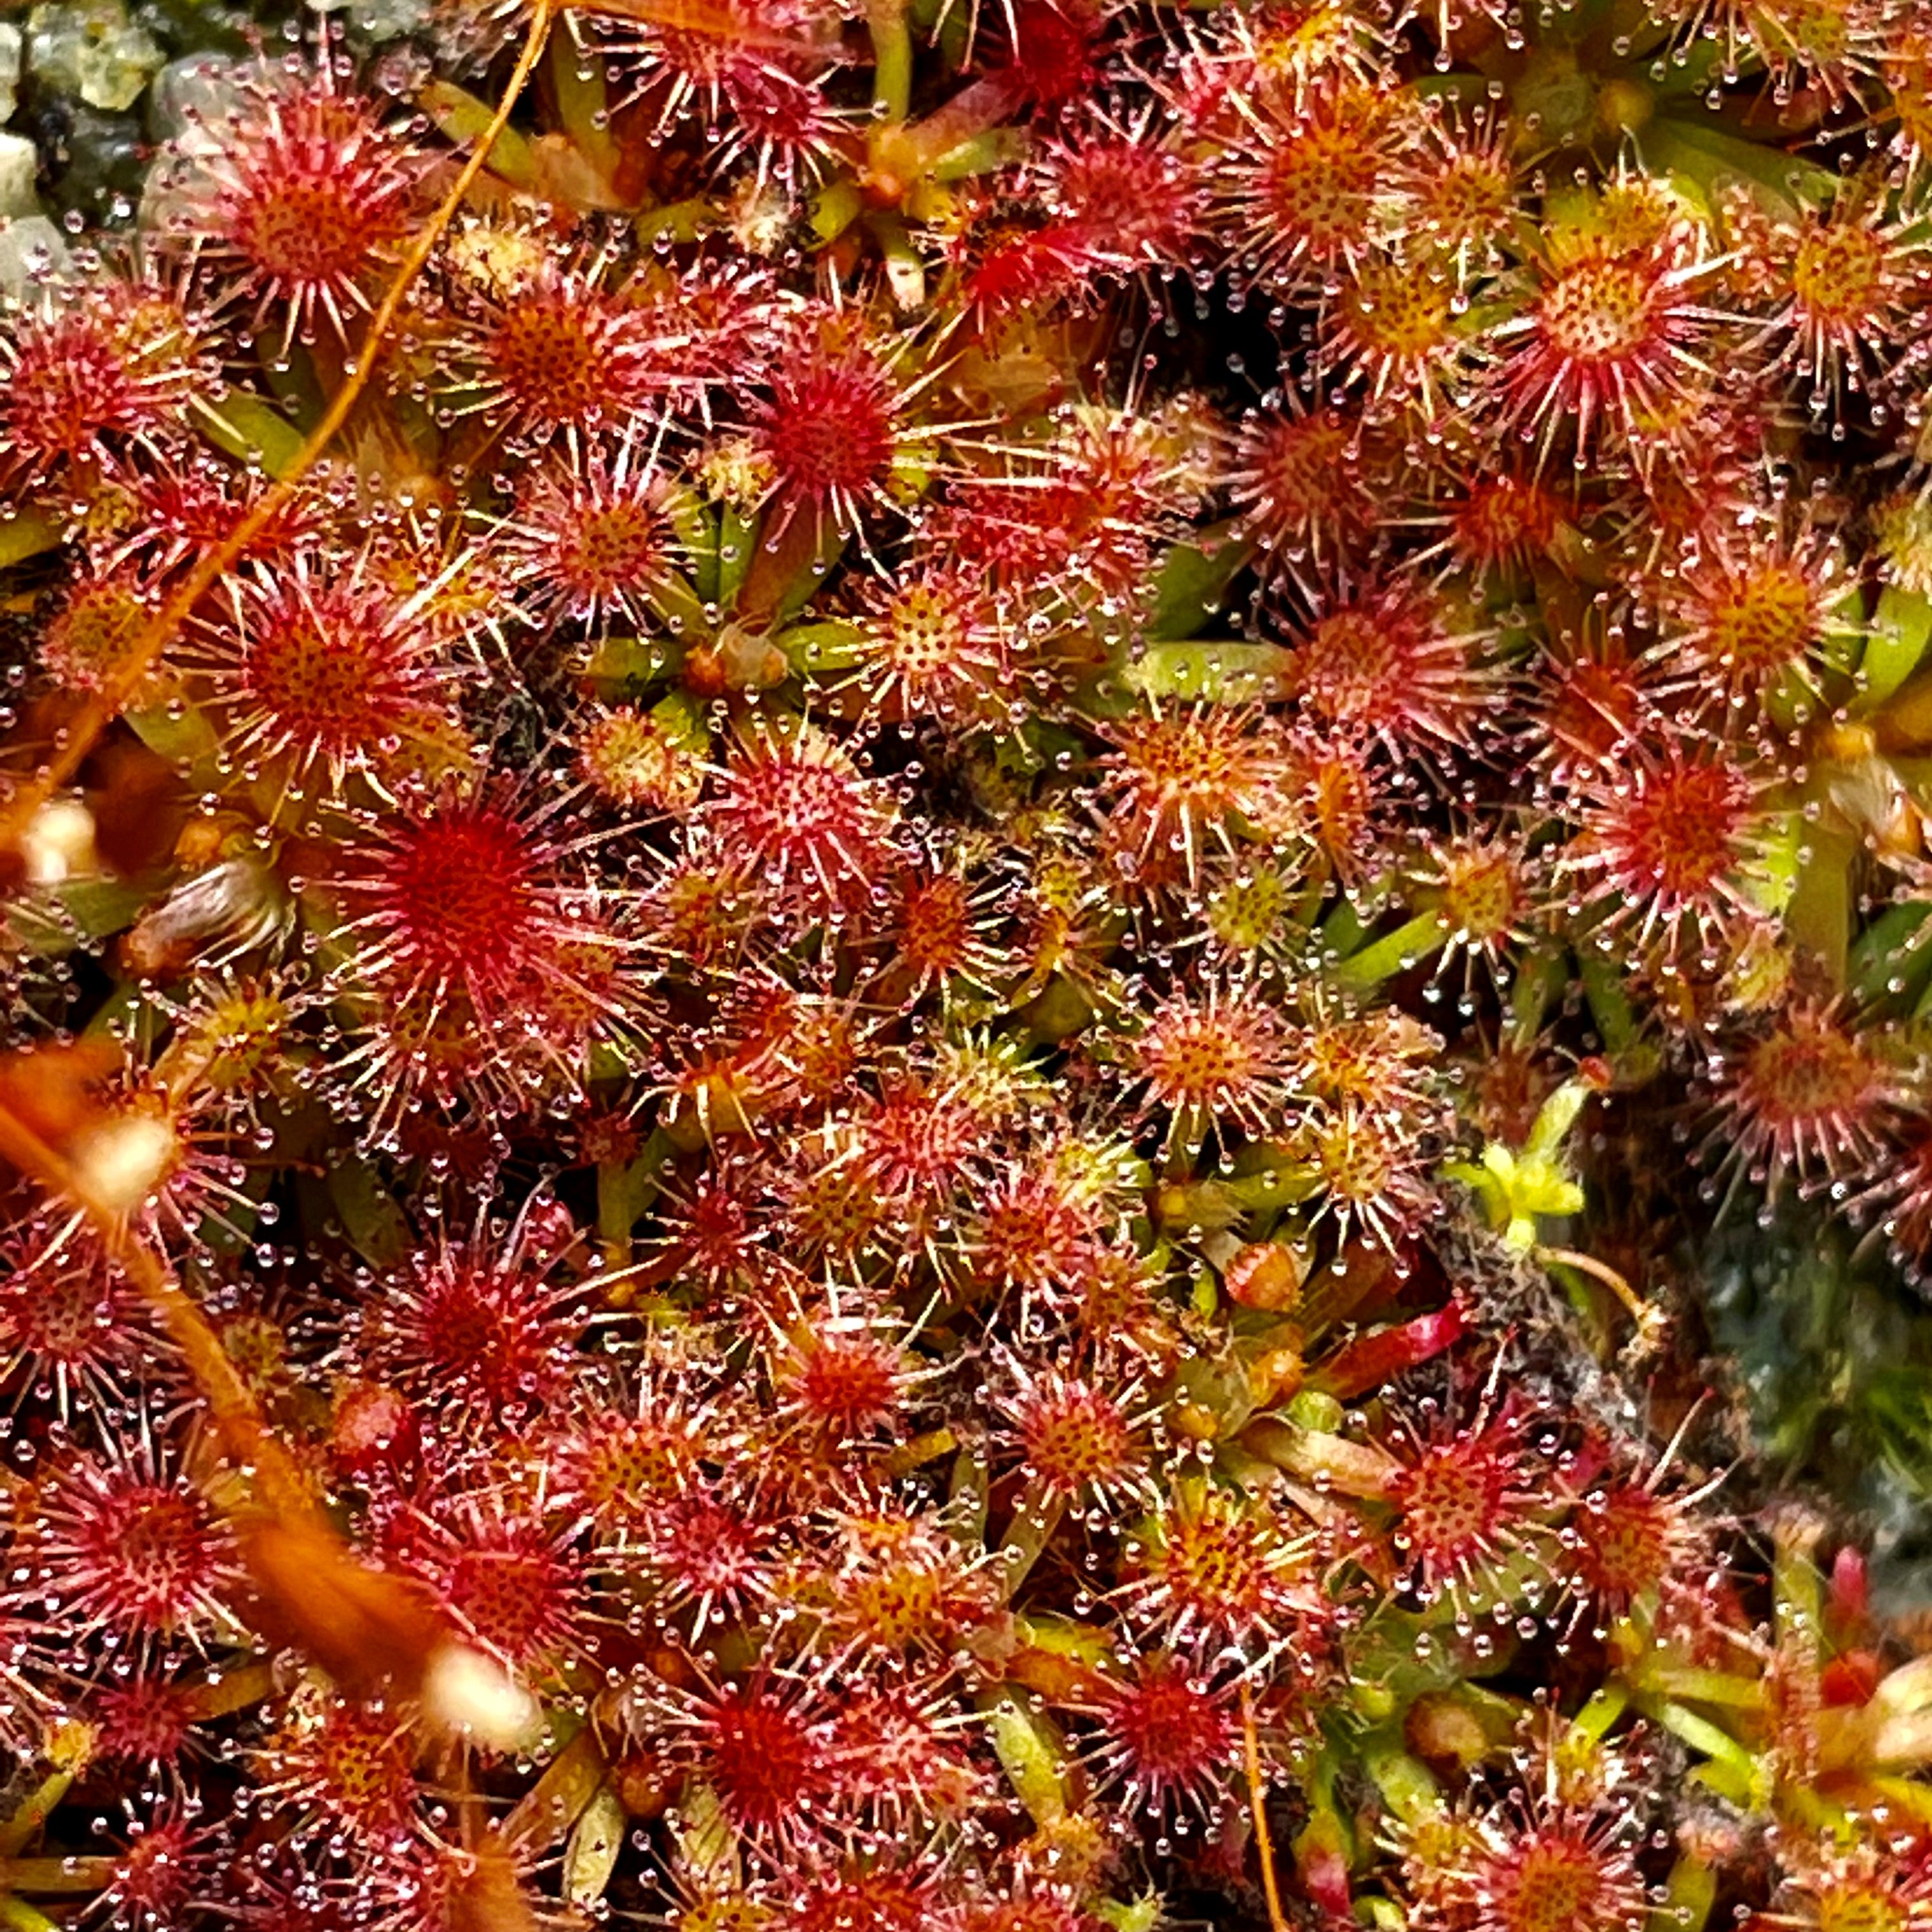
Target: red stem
<point x="1374" y="1359"/>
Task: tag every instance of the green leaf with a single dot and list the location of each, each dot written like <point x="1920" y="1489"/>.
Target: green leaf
<point x="1061" y="1010"/>
<point x="707" y="1847"/>
<point x="1783" y="863"/>
<point x="807" y="583"/>
<point x="634" y="662"/>
<point x="182" y="734"/>
<point x="674" y="598"/>
<point x="1030" y="1752"/>
<point x="839" y="204"/>
<point x="1922" y="1007"/>
<point x="1411" y="943"/>
<point x="1690" y="1893"/>
<point x="1193" y="581"/>
<point x="683" y="719"/>
<point x="737" y="545"/>
<point x="1701" y="64"/>
<point x="1707" y="158"/>
<point x="1064" y="1636"/>
<point x="827" y="646"/>
<point x="252" y="430"/>
<point x="892" y="59"/>
<point x="984" y="154"/>
<point x="903" y="264"/>
<point x="1141" y="1915"/>
<point x="25" y="533"/>
<point x="1890" y="947"/>
<point x="1224" y="670"/>
<point x="967" y="1498"/>
<point x="583" y="106"/>
<point x="1554" y="1119"/>
<point x="688" y="220"/>
<point x="462" y="119"/>
<point x="943" y="23"/>
<point x="697" y="525"/>
<point x="295" y="386"/>
<point x="595" y="1841"/>
<point x="99" y="907"/>
<point x="370" y="1218"/>
<point x="625" y="1191"/>
<point x="36" y="928"/>
<point x="1901" y="628"/>
<point x="1819" y="916"/>
<point x="1453" y="87"/>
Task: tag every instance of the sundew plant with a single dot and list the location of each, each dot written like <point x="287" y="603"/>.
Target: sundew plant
<point x="968" y="966"/>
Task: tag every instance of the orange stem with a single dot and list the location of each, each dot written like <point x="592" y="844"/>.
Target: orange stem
<point x="106" y="705"/>
<point x="246" y="1439"/>
<point x="1257" y="1807"/>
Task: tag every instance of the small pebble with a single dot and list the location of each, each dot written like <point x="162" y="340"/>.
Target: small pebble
<point x="12" y="54"/>
<point x="192" y="96"/>
<point x="391" y="19"/>
<point x="91" y="49"/>
<point x="19" y="162"/>
<point x="31" y="249"/>
<point x="103" y="160"/>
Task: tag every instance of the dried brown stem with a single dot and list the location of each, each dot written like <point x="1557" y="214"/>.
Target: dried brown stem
<point x="1650" y="1319"/>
